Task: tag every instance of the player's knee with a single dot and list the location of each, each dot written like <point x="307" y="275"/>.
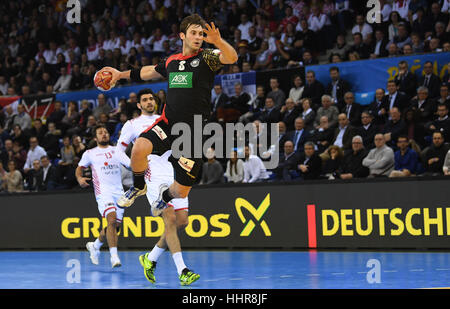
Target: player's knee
<point x="170" y="219"/>
<point x="182" y="222"/>
<point x="142" y="148"/>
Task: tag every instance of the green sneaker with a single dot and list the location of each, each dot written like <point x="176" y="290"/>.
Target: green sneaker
<point x="149" y="267"/>
<point x="187" y="277"/>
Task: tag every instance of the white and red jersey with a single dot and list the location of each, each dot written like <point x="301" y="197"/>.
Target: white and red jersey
<point x="130" y="132"/>
<point x="106" y="172"/>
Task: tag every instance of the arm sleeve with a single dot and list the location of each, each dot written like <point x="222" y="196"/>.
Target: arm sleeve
<point x="123" y="158"/>
<point x="27" y="162"/>
<point x="161" y="68"/>
<point x="211" y="57"/>
<point x="125" y="138"/>
<point x="85" y="160"/>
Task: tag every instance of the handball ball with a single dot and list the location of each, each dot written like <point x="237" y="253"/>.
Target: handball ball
<point x="102" y="80"/>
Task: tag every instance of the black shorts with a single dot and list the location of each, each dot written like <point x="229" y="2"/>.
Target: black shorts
<point x="186" y="169"/>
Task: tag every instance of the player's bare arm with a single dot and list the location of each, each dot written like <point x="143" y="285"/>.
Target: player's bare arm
<point x="147" y="73"/>
<point x="81" y="180"/>
<point x="228" y="53"/>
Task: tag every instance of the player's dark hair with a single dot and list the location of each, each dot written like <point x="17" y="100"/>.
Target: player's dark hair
<point x="100" y="126"/>
<point x="193" y="19"/>
<point x="145" y="91"/>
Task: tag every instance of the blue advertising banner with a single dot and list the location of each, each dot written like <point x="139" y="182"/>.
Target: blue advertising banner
<point x="248" y="81"/>
<point x="113" y="96"/>
<point x="367" y="75"/>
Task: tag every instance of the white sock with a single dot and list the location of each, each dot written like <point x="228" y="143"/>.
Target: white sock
<point x="98" y="244"/>
<point x="155" y="253"/>
<point x="179" y="263"/>
<point x="113" y="251"/>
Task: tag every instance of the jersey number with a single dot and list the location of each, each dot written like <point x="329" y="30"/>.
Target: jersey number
<point x="181" y="66"/>
<point x="108" y="155"/>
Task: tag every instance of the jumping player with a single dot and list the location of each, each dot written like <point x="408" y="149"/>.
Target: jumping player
<point x="159" y="171"/>
<point x="190" y="77"/>
<point x="104" y="161"/>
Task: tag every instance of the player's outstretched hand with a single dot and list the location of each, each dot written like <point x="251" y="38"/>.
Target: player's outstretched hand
<point x="83" y="182"/>
<point x="212" y="34"/>
<point x="115" y="74"/>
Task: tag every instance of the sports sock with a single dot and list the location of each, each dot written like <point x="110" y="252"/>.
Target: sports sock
<point x="139" y="180"/>
<point x="179" y="263"/>
<point x="166" y="196"/>
<point x="155" y="253"/>
<point x="98" y="244"/>
<point x="113" y="251"/>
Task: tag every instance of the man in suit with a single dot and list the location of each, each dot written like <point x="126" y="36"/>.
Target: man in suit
<point x="405" y="80"/>
<point x="429" y="80"/>
<point x="338" y="87"/>
<point x="299" y="136"/>
<point x="376" y="108"/>
<point x="282" y="135"/>
<point x="378" y="50"/>
<point x="219" y="101"/>
<point x="394" y="128"/>
<point x="394" y="98"/>
<point x="289" y="112"/>
<point x="270" y="113"/>
<point x="50" y="174"/>
<point x="313" y="90"/>
<point x="344" y="133"/>
<point x="351" y="109"/>
<point x="310" y="163"/>
<point x="322" y="136"/>
<point x="286" y="169"/>
<point x="423" y="106"/>
<point x="367" y="130"/>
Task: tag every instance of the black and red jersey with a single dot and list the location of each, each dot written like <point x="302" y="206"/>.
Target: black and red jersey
<point x="190" y="80"/>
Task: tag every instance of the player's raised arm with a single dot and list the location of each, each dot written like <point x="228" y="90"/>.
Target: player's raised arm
<point x="147" y="72"/>
<point x="228" y="53"/>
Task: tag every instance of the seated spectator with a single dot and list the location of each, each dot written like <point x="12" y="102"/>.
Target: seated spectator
<point x="220" y="100"/>
<point x="49" y="174"/>
<point x="352" y="166"/>
<point x="446" y="167"/>
<point x="235" y="169"/>
<point x="359" y="46"/>
<point x="34" y="177"/>
<point x="394" y="127"/>
<point x="63" y="82"/>
<point x="340" y="48"/>
<point x="84" y="113"/>
<point x="329" y="110"/>
<point x="51" y="141"/>
<point x="394" y="98"/>
<point x="423" y="107"/>
<point x="377" y="108"/>
<point x="406" y="159"/>
<point x="270" y="113"/>
<point x="444" y="97"/>
<point x="393" y="51"/>
<point x="351" y="109"/>
<point x="367" y="130"/>
<point x="254" y="170"/>
<point x="402" y="38"/>
<point x="441" y="123"/>
<point x="331" y="166"/>
<point x="338" y="87"/>
<point x="430" y="80"/>
<point x="278" y="95"/>
<point x="405" y="80"/>
<point x="435" y="155"/>
<point x="288" y="113"/>
<point x="263" y="57"/>
<point x="295" y="93"/>
<point x="237" y="106"/>
<point x="57" y="114"/>
<point x="380" y="160"/>
<point x="22" y="118"/>
<point x="313" y="90"/>
<point x="286" y="169"/>
<point x="310" y="166"/>
<point x="77" y="81"/>
<point x="118" y="127"/>
<point x="256" y="106"/>
<point x="308" y="115"/>
<point x="34" y="153"/>
<point x="378" y="49"/>
<point x="322" y="136"/>
<point x="78" y="146"/>
<point x="38" y="129"/>
<point x="299" y="135"/>
<point x="70" y="119"/>
<point x="20" y="137"/>
<point x="417" y="44"/>
<point x="102" y="108"/>
<point x="407" y="50"/>
<point x="212" y="171"/>
<point x="344" y="133"/>
<point x="12" y="181"/>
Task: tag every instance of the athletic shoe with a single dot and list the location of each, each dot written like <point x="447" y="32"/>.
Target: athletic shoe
<point x="159" y="205"/>
<point x="128" y="198"/>
<point x="149" y="267"/>
<point x="115" y="261"/>
<point x="94" y="253"/>
<point x="188" y="277"/>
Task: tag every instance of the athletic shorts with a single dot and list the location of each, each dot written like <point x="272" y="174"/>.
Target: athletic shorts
<point x="186" y="170"/>
<point x="108" y="203"/>
<point x="154" y="178"/>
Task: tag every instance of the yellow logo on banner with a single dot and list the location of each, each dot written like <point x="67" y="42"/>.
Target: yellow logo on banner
<point x="257" y="214"/>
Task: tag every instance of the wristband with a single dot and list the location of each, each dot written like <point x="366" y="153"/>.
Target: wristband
<point x="135" y="75"/>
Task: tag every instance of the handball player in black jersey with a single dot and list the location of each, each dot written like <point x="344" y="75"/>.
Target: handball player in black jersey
<point x="190" y="76"/>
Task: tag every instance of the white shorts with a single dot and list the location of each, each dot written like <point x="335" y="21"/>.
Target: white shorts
<point x="153" y="182"/>
<point x="108" y="203"/>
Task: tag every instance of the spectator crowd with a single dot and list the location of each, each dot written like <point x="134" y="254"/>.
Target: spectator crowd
<point x="324" y="133"/>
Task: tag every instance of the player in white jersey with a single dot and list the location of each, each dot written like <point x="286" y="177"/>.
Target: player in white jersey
<point x="159" y="171"/>
<point x="105" y="161"/>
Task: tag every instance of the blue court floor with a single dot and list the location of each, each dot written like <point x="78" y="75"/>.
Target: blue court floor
<point x="229" y="270"/>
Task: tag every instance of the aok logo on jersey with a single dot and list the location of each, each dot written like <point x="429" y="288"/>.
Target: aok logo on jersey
<point x="180" y="80"/>
<point x="199" y="226"/>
